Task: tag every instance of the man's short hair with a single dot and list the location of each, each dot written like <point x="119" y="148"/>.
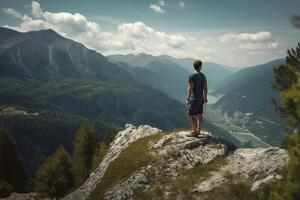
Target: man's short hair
<point x="197" y="64"/>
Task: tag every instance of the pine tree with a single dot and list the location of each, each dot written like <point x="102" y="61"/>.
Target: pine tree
<point x="102" y="149"/>
<point x="285" y="78"/>
<point x="99" y="154"/>
<point x="84" y="147"/>
<point x="13" y="176"/>
<point x="54" y="178"/>
<point x="287" y="81"/>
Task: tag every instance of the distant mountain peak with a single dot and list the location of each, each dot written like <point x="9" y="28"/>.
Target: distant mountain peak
<point x="47" y="33"/>
<point x="50" y="31"/>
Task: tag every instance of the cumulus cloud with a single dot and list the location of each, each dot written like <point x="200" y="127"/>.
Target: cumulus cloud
<point x="181" y="4"/>
<point x="12" y="12"/>
<point x="162" y="3"/>
<point x="259" y="46"/>
<point x="262" y="40"/>
<point x="140" y="31"/>
<point x="36" y="9"/>
<point x="137" y="37"/>
<point x="156" y="8"/>
<point x="250" y="37"/>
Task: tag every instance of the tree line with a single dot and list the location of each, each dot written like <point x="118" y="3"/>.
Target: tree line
<point x="61" y="172"/>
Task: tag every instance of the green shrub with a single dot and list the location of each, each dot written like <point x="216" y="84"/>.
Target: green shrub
<point x="237" y="191"/>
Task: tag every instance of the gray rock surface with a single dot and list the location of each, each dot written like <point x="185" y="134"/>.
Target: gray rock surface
<point x="268" y="179"/>
<point x="175" y="153"/>
<point x="248" y="164"/>
<point x="125" y="190"/>
<point x="122" y="140"/>
<point x="180" y="151"/>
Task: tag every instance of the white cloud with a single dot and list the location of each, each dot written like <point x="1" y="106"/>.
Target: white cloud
<point x="161" y="2"/>
<point x="147" y="39"/>
<point x="262" y="40"/>
<point x="136" y="30"/>
<point x="140" y="31"/>
<point x="137" y="37"/>
<point x="181" y="4"/>
<point x="250" y="37"/>
<point x="36" y="9"/>
<point x="12" y="12"/>
<point x="259" y="46"/>
<point x="133" y="37"/>
<point x="205" y="50"/>
<point x="156" y="8"/>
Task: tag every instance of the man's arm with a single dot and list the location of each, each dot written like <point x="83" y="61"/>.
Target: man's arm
<point x="190" y="91"/>
<point x="205" y="92"/>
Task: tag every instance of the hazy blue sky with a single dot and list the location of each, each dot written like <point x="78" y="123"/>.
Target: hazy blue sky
<point x="233" y="32"/>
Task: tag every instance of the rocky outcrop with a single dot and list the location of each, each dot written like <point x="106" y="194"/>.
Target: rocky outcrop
<point x="175" y="153"/>
<point x="178" y="151"/>
<point x="257" y="165"/>
<point x="122" y="140"/>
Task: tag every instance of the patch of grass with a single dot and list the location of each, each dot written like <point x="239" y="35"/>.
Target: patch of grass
<point x="157" y="193"/>
<point x="237" y="191"/>
<point x="233" y="190"/>
<point x="232" y="177"/>
<point x="180" y="186"/>
<point x="191" y="177"/>
<point x="203" y="169"/>
<point x="131" y="159"/>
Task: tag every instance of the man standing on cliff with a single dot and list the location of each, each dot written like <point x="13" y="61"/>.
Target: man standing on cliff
<point x="197" y="96"/>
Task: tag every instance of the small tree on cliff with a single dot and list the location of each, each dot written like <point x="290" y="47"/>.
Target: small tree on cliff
<point x="287" y="81"/>
<point x="54" y="178"/>
<point x="100" y="152"/>
<point x="84" y="147"/>
<point x="12" y="171"/>
<point x="102" y="149"/>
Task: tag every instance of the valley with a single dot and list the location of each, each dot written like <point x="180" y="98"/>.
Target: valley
<point x="49" y="85"/>
<point x="240" y="132"/>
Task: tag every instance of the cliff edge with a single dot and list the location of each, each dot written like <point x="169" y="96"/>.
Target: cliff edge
<point x="145" y="163"/>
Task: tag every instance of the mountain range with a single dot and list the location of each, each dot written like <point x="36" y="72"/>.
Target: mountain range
<point x="50" y="84"/>
<point x="168" y="74"/>
<point x="247" y="98"/>
<point x="41" y="69"/>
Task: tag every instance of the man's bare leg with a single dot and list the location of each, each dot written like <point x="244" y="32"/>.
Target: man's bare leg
<point x="199" y="123"/>
<point x="193" y="120"/>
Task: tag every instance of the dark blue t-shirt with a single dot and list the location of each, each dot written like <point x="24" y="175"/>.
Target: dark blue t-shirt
<point x="199" y="81"/>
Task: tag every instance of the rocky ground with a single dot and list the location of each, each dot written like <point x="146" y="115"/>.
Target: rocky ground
<point x="178" y="156"/>
<point x="182" y="167"/>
